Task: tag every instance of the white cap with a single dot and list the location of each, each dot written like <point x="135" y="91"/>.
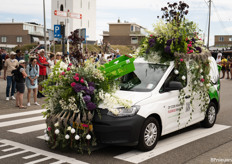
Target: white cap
<point x="21" y="61"/>
<point x="12" y="53"/>
<point x="41" y="50"/>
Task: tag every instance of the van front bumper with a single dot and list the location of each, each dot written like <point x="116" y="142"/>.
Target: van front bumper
<point x="117" y="130"/>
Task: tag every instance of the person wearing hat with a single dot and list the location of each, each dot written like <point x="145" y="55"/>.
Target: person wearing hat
<point x="42" y="62"/>
<point x="10" y="65"/>
<point x="21" y="74"/>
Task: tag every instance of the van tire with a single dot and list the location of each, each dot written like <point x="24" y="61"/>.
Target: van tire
<point x="210" y="116"/>
<point x="150" y="128"/>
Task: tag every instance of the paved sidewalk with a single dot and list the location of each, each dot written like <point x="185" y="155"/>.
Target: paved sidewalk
<point x="9" y="106"/>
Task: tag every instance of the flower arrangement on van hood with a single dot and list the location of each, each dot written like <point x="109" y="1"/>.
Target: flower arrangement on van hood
<point x="176" y="39"/>
<point x="73" y="95"/>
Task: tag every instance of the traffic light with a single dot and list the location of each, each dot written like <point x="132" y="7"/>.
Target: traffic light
<point x="62" y="30"/>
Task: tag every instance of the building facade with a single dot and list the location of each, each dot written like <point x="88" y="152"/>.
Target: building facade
<point x="85" y="7"/>
<point x="13" y="34"/>
<point x="124" y="34"/>
<point x="223" y="41"/>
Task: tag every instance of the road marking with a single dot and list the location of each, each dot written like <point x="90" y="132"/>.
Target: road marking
<point x="9" y="149"/>
<point x="170" y="143"/>
<point x="3" y="145"/>
<point x="20" y="121"/>
<point x="58" y="162"/>
<point x="31" y="156"/>
<point x="42" y="152"/>
<point x="21" y="114"/>
<point x="29" y="129"/>
<point x="41" y="137"/>
<point x="39" y="160"/>
<point x="13" y="154"/>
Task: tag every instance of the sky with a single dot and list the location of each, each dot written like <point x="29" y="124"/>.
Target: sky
<point x="142" y="12"/>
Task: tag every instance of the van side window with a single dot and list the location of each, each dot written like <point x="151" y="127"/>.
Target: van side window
<point x="173" y="77"/>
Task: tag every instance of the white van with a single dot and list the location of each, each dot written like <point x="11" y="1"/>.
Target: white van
<point x="154" y="92"/>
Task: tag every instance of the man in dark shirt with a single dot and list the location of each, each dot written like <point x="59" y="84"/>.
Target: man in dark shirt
<point x="18" y="55"/>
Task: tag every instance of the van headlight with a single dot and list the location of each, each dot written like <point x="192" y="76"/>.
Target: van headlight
<point x="124" y="112"/>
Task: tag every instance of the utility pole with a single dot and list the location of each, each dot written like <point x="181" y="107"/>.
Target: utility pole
<point x="45" y="33"/>
<point x="209" y="23"/>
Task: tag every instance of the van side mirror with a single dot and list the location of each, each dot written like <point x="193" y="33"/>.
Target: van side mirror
<point x="174" y="85"/>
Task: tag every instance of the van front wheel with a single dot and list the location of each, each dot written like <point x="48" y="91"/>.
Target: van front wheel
<point x="149" y="134"/>
<point x="210" y="116"/>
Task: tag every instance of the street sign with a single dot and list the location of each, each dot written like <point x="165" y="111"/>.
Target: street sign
<point x="57" y="29"/>
<point x="60" y="13"/>
<point x="75" y="15"/>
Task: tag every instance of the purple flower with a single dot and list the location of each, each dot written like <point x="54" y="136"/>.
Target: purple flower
<point x="169" y="42"/>
<point x="193" y="40"/>
<point x="91" y="106"/>
<point x="91" y="84"/>
<point x="151" y="42"/>
<point x="87" y="98"/>
<point x="89" y="91"/>
<point x="78" y="88"/>
<point x="167" y="49"/>
<point x="199" y="49"/>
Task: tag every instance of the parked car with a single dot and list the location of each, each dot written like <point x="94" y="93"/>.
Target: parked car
<point x="154" y="91"/>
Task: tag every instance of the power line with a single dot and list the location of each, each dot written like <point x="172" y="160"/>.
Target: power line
<point x="206" y="3"/>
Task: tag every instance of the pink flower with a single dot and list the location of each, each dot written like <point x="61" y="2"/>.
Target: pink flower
<point x="68" y="69"/>
<point x="189" y="45"/>
<point x="187" y="49"/>
<point x="151" y="35"/>
<point x="200" y="38"/>
<point x="188" y="52"/>
<point x="190" y="42"/>
<point x="191" y="51"/>
<point x="77" y="78"/>
<point x="85" y="125"/>
<point x="181" y="60"/>
<point x="76" y="74"/>
<point x="49" y="128"/>
<point x="202" y="80"/>
<point x="63" y="73"/>
<point x="70" y="64"/>
<point x="73" y="84"/>
<point x="186" y="39"/>
<point x="82" y="80"/>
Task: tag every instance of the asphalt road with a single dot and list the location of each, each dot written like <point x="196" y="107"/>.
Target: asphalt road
<point x="191" y="145"/>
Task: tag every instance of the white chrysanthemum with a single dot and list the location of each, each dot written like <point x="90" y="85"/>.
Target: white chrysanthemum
<point x="69" y="128"/>
<point x="183" y="77"/>
<point x="56" y="124"/>
<point x="176" y="72"/>
<point x="67" y="136"/>
<point x="73" y="130"/>
<point x="77" y="137"/>
<point x="88" y="137"/>
<point x="57" y="131"/>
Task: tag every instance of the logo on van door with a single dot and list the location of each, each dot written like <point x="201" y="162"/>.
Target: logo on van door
<point x="174" y="108"/>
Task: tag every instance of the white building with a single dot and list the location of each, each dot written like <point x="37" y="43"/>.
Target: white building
<point x="85" y="7"/>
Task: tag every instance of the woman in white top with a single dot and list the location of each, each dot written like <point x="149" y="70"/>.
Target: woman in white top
<point x="51" y="63"/>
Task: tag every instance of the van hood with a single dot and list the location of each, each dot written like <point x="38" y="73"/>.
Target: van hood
<point x="135" y="97"/>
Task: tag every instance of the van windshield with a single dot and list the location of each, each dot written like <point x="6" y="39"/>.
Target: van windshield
<point x="144" y="79"/>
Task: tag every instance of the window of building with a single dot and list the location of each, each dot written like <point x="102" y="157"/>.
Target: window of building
<point x="134" y="40"/>
<point x="221" y="39"/>
<point x="89" y="5"/>
<point x="3" y="39"/>
<point x="132" y="28"/>
<point x="19" y="39"/>
<point x="230" y="39"/>
<point x="61" y="7"/>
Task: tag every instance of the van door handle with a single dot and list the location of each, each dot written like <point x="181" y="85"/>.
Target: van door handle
<point x="187" y="97"/>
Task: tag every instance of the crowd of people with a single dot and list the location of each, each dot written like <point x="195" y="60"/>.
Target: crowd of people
<point x="24" y="70"/>
<point x="226" y="64"/>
